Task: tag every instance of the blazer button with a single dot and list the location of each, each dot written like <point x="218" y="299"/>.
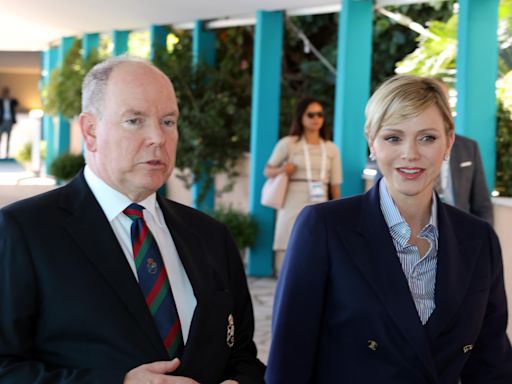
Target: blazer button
<point x="467" y="348"/>
<point x="373" y="345"/>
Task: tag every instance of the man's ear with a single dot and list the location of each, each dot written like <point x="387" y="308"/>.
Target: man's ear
<point x="88" y="123"/>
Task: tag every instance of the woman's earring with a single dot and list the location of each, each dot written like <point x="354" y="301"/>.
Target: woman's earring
<point x="446" y="157"/>
<point x="372" y="157"/>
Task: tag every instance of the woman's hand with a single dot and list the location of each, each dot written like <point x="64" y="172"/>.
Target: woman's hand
<point x="288" y="168"/>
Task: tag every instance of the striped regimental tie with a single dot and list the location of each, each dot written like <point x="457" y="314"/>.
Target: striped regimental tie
<point x="154" y="283"/>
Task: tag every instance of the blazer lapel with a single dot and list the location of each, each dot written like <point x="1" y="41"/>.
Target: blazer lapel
<point x="91" y="230"/>
<point x="199" y="272"/>
<point x="455" y="172"/>
<point x="455" y="265"/>
<point x="373" y="251"/>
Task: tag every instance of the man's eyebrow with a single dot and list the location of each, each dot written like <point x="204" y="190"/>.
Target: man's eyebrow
<point x="133" y="112"/>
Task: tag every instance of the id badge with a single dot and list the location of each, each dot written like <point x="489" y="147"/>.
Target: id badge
<point x="317" y="192"/>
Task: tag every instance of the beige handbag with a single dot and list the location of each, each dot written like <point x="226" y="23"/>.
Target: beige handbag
<point x="274" y="190"/>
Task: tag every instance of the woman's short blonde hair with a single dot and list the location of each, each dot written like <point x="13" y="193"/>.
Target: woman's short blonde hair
<point x="403" y="97"/>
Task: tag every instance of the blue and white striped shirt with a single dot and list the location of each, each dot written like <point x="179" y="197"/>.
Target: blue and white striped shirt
<point x="419" y="271"/>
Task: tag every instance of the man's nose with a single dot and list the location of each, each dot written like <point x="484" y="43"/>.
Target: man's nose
<point x="156" y="134"/>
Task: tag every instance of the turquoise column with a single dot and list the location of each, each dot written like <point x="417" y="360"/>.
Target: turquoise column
<point x="50" y="58"/>
<point x="477" y="71"/>
<point x="90" y="41"/>
<point x="352" y="90"/>
<point x="120" y="42"/>
<point x="62" y="131"/>
<point x="157" y="38"/>
<point x="203" y="50"/>
<point x="266" y="91"/>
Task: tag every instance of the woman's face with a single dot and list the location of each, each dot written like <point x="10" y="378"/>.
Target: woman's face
<point x="313" y="118"/>
<point x="410" y="154"/>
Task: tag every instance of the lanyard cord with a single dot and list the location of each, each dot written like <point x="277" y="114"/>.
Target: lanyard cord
<point x="307" y="160"/>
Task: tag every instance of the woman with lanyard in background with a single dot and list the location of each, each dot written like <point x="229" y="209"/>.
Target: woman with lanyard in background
<point x="311" y="161"/>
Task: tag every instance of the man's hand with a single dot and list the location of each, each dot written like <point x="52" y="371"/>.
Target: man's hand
<point x="156" y="373"/>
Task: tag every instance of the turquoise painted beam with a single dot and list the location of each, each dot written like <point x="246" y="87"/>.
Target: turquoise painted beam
<point x="203" y="50"/>
<point x="90" y="41"/>
<point x="50" y="58"/>
<point x="352" y="90"/>
<point x="158" y="39"/>
<point x="62" y="132"/>
<point x="477" y="71"/>
<point x="268" y="45"/>
<point x="120" y="42"/>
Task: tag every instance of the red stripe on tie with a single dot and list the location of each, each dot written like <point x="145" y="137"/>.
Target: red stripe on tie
<point x="169" y="339"/>
<point x="156" y="288"/>
<point x="138" y="242"/>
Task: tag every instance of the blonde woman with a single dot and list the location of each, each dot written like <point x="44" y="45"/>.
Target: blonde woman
<point x="393" y="286"/>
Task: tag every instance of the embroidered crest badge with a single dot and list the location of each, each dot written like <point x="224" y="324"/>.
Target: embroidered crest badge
<point x="230" y="339"/>
<point x="152" y="266"/>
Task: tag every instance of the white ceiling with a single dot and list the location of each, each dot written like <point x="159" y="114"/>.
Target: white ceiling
<point x="30" y="25"/>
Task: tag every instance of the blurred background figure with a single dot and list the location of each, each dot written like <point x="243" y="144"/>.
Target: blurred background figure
<point x="7" y="117"/>
<point x="462" y="181"/>
<point x="311" y="161"/>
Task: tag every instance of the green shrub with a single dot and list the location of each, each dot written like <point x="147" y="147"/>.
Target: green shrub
<point x="241" y="225"/>
<point x="24" y="154"/>
<point x="67" y="165"/>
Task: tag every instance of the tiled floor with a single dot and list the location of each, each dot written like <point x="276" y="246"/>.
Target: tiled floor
<point x="262" y="292"/>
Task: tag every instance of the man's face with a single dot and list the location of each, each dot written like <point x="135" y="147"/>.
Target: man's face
<point x="132" y="145"/>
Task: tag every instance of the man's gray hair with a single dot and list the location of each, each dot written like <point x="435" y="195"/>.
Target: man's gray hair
<point x="96" y="80"/>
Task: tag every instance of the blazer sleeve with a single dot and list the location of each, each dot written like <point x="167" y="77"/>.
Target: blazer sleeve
<point x="480" y="202"/>
<point x="243" y="365"/>
<point x="299" y="303"/>
<point x="18" y="315"/>
<point x="490" y="361"/>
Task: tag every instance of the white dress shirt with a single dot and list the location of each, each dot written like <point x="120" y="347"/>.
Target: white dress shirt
<point x="113" y="203"/>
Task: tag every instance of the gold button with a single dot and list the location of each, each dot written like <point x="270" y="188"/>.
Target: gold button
<point x="372" y="344"/>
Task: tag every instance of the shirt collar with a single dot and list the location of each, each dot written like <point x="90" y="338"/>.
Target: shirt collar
<point x="114" y="202"/>
<point x="392" y="214"/>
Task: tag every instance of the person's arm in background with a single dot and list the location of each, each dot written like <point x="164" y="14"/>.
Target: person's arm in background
<point x="336" y="176"/>
<point x="480" y="201"/>
<point x="270" y="171"/>
<point x="279" y="160"/>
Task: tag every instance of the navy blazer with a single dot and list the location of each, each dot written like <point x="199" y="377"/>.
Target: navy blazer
<point x="71" y="310"/>
<point x="343" y="311"/>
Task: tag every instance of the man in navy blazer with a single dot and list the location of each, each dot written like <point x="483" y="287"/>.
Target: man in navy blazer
<point x="347" y="281"/>
<point x="469" y="188"/>
<point x="71" y="307"/>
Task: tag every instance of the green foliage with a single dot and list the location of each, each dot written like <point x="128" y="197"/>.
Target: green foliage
<point x="67" y="165"/>
<point x="24" y="154"/>
<point x="393" y="41"/>
<point x="49" y="94"/>
<point x="68" y="90"/>
<point x="241" y="225"/>
<point x="503" y="152"/>
<point x="62" y="94"/>
<point x="434" y="57"/>
<point x="214" y="106"/>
